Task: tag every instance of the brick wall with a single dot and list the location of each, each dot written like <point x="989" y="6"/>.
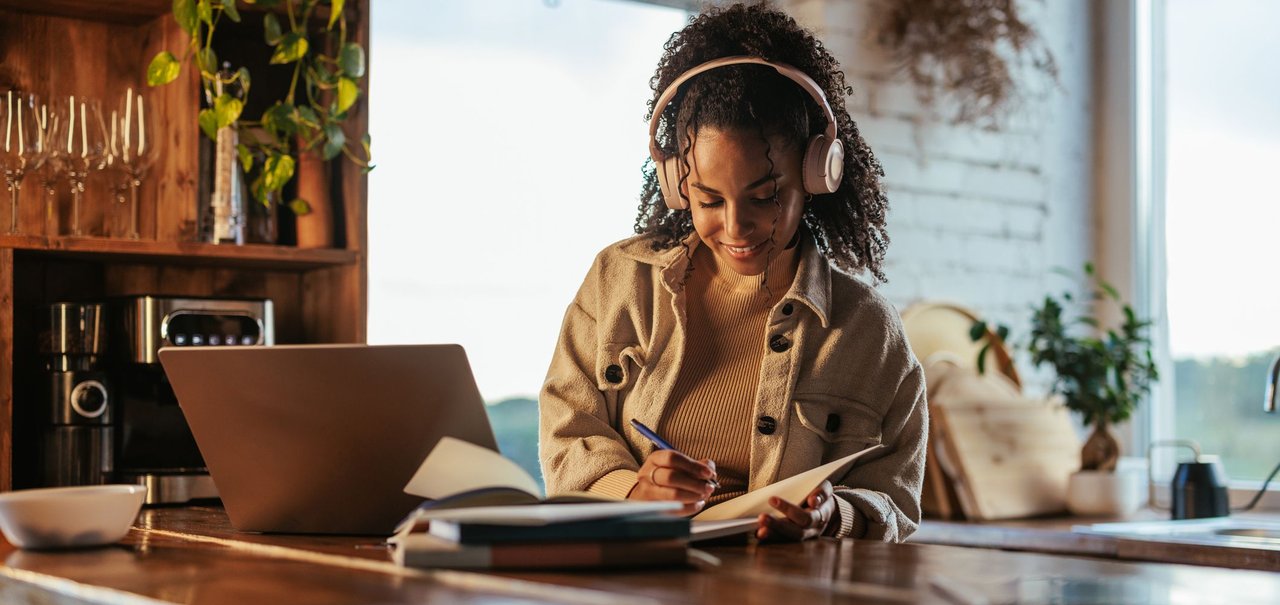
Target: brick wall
<point x="978" y="217"/>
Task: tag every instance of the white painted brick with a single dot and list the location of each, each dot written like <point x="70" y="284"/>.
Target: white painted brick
<point x="886" y="133"/>
<point x="972" y="216"/>
<point x="901" y="99"/>
<point x="966" y="142"/>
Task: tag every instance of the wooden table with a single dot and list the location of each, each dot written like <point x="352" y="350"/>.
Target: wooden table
<point x="191" y="555"/>
<point x="1055" y="535"/>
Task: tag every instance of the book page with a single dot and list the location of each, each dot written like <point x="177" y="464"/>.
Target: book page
<point x="455" y="466"/>
<point x="792" y="489"/>
<point x="546" y="514"/>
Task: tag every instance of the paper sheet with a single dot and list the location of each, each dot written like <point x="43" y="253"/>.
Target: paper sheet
<point x="792" y="489"/>
<point x="545" y="514"/>
<point x="455" y="466"/>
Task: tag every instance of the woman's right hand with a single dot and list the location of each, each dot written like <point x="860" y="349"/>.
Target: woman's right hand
<point x="670" y="475"/>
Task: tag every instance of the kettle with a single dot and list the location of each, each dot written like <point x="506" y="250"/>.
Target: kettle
<point x="1199" y="488"/>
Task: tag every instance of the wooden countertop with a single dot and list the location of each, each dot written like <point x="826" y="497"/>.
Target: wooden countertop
<point x="191" y="555"/>
<point x="1054" y="535"/>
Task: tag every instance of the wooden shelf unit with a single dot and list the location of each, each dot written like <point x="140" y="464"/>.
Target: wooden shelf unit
<point x="63" y="47"/>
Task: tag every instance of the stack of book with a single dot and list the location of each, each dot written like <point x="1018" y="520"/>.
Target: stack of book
<point x="487" y="514"/>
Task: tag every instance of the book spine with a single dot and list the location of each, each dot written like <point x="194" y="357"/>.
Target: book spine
<point x="553" y="556"/>
<point x="489" y="534"/>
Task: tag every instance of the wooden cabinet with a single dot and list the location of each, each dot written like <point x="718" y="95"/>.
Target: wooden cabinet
<point x="96" y="49"/>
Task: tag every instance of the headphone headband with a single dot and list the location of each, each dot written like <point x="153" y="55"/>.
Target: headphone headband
<point x="800" y="78"/>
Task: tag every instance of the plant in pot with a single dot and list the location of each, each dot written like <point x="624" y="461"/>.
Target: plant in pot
<point x="1101" y="373"/>
<point x="297" y="134"/>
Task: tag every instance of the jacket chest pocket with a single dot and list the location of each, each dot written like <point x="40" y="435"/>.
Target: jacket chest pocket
<point x="838" y="422"/>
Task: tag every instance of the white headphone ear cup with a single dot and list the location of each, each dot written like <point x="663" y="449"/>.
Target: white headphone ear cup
<point x="823" y="165"/>
<point x="669" y="182"/>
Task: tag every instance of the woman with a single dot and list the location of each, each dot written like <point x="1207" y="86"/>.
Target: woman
<point x="731" y="324"/>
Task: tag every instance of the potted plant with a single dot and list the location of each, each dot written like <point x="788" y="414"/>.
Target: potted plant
<point x="306" y="122"/>
<point x="1101" y="373"/>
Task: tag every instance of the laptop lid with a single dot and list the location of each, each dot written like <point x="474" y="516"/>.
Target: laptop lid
<point x="323" y="438"/>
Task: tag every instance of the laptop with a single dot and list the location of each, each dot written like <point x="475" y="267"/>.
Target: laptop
<point x="321" y="439"/>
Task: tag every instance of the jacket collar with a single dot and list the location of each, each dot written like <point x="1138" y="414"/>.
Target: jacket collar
<point x="812" y="286"/>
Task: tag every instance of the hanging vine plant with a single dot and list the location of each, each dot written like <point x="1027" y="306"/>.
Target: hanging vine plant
<point x="321" y="93"/>
<point x="965" y="48"/>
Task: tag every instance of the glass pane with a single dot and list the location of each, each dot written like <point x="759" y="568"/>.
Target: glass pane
<point x="508" y="137"/>
<point x="1223" y="212"/>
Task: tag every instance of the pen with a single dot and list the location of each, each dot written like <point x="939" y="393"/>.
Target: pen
<point x="662" y="443"/>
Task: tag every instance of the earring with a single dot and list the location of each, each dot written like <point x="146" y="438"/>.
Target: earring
<point x="808" y="197"/>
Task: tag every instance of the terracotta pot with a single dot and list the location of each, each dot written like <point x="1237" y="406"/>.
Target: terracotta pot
<point x="315" y="229"/>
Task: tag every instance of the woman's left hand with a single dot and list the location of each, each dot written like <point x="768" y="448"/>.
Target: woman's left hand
<point x="800" y="522"/>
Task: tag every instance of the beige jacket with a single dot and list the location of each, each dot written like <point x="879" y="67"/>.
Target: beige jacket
<point x="837" y="376"/>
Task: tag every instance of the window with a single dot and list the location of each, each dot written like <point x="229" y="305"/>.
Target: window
<point x="508" y="137"/>
<point x="1222" y="149"/>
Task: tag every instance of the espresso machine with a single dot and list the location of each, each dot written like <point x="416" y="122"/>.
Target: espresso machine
<point x="154" y="445"/>
<point x="76" y="441"/>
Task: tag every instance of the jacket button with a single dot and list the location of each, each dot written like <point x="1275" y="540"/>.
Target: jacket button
<point x="787" y="309"/>
<point x="766" y="425"/>
<point x="779" y="343"/>
<point x="613" y="373"/>
<point x="833" y="423"/>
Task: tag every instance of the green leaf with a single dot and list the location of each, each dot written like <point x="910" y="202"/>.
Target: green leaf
<point x="300" y="207"/>
<point x="246" y="157"/>
<point x="977" y="330"/>
<point x="230" y="7"/>
<point x="277" y="171"/>
<point x="982" y="358"/>
<point x="308" y="117"/>
<point x="352" y="60"/>
<point x="228" y="109"/>
<point x="271" y="29"/>
<point x="1088" y="268"/>
<point x="335" y="12"/>
<point x="209" y="123"/>
<point x="243" y="76"/>
<point x="1003" y="332"/>
<point x="278" y="119"/>
<point x="1110" y="290"/>
<point x="335" y="140"/>
<point x="207" y="60"/>
<point x="204" y="8"/>
<point x="164" y="69"/>
<point x="293" y="46"/>
<point x="348" y="92"/>
<point x="365" y="142"/>
<point x="184" y="12"/>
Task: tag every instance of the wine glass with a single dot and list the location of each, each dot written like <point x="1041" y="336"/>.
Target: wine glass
<point x="132" y="148"/>
<point x="22" y="144"/>
<point x="79" y="146"/>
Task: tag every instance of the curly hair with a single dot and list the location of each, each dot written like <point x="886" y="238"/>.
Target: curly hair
<point x="848" y="225"/>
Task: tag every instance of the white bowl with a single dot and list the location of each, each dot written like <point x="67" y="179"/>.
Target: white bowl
<point x="69" y="517"/>
<point x="1104" y="493"/>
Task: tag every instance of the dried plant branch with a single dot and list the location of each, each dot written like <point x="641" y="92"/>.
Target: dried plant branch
<point x="965" y="48"/>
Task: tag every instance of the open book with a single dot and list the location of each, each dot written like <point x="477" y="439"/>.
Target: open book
<point x="467" y="483"/>
<point x="793" y="489"/>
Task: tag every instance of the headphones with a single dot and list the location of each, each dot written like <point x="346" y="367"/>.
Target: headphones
<point x="823" y="156"/>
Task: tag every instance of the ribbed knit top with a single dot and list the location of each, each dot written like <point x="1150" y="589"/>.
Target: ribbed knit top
<point x="713" y="401"/>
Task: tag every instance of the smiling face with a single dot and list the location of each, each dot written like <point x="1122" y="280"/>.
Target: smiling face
<point x="730" y="188"/>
